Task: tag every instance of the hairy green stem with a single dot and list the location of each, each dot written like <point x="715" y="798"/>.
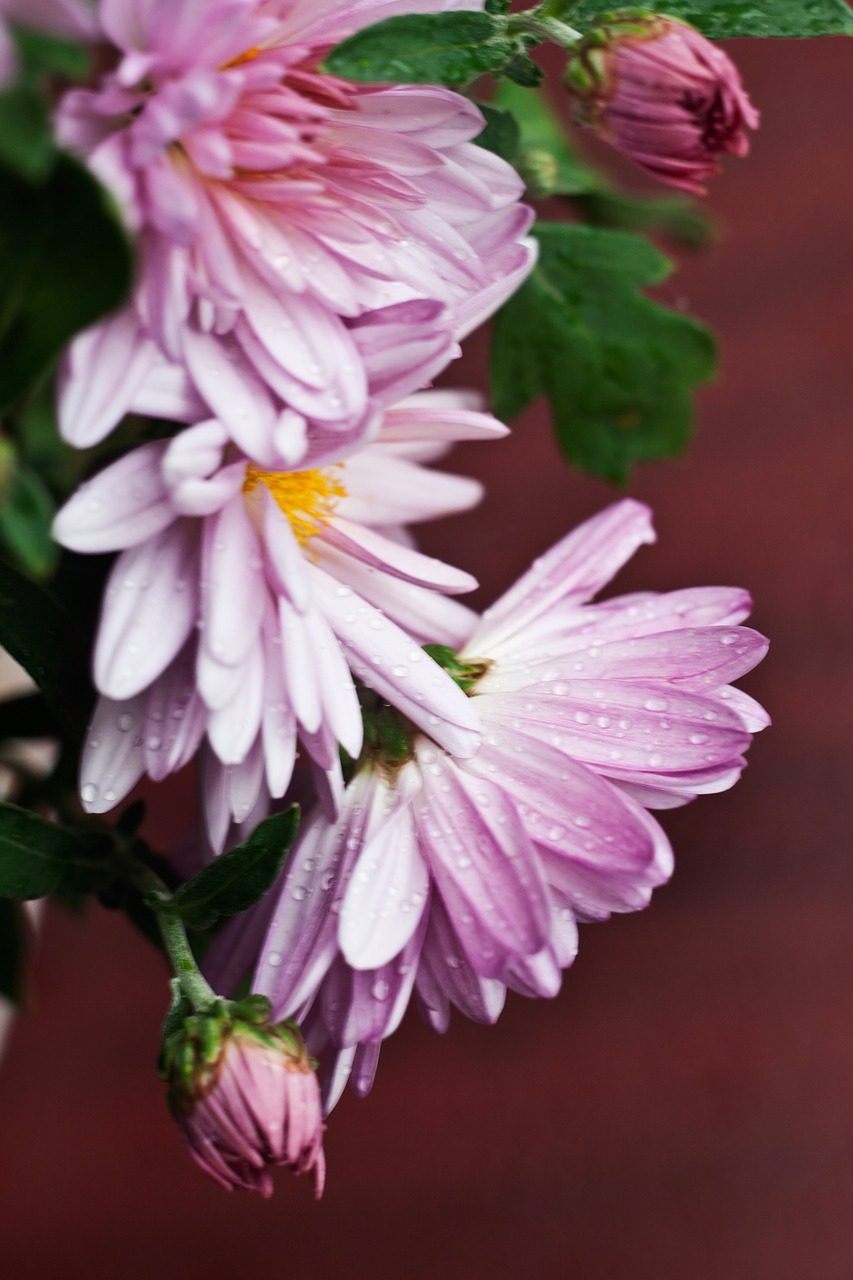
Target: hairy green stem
<point x="194" y="986"/>
<point x="539" y="22"/>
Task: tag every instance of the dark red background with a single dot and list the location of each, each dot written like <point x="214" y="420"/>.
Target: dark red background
<point x="685" y="1107"/>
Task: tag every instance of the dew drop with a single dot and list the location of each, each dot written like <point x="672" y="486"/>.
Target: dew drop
<point x="274" y="959"/>
<point x="380" y="989"/>
<point x="89" y="793"/>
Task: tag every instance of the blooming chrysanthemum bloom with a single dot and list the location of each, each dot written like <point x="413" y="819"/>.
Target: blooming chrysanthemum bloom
<point x="242" y="599"/>
<point x="72" y="18"/>
<point x="457" y="878"/>
<point x="295" y="230"/>
<point x="245" y="1097"/>
<point x="662" y="94"/>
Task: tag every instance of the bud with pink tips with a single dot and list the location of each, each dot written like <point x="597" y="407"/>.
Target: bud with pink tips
<point x="663" y="95"/>
<point x="245" y="1095"/>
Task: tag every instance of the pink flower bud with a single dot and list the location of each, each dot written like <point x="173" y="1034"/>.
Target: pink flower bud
<point x="663" y="95"/>
<point x="245" y="1096"/>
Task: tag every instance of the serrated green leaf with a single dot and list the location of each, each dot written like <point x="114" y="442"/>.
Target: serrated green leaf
<point x="722" y="19"/>
<point x="619" y="370"/>
<point x="42" y="637"/>
<point x="64" y="260"/>
<point x="430" y="48"/>
<point x="38" y="857"/>
<point x="13" y="941"/>
<point x="26" y="515"/>
<point x="236" y="880"/>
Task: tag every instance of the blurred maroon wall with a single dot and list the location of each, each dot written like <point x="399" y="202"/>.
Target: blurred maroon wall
<point x="685" y="1106"/>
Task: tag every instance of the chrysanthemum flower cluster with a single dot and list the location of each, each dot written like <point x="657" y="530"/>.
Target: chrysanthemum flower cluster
<point x="310" y="254"/>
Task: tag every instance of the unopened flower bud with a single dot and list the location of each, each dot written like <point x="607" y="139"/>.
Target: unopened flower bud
<point x="245" y="1095"/>
<point x="662" y="94"/>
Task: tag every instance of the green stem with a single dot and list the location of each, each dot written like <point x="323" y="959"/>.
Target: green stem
<point x="194" y="986"/>
<point x="197" y="990"/>
<point x="539" y="23"/>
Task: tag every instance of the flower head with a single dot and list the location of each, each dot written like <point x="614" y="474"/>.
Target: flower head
<point x="452" y="878"/>
<point x="245" y="1096"/>
<point x="663" y="95"/>
<point x="308" y="247"/>
<point x="243" y="601"/>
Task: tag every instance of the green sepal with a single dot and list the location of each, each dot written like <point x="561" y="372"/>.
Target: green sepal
<point x="618" y="369"/>
<point x="38" y="857"/>
<point x="723" y="19"/>
<point x="465" y="674"/>
<point x="236" y="880"/>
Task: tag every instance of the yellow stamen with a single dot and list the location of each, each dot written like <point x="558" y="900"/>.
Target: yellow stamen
<point x="248" y="56"/>
<point x="307" y="498"/>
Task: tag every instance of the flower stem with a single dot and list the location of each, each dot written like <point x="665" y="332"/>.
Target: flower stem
<point x="194" y="986"/>
<point x="539" y="22"/>
<point x="157" y="897"/>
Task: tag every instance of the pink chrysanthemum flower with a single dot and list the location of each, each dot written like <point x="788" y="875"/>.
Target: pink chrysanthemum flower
<point x="662" y="94"/>
<point x="245" y="1096"/>
<point x="242" y="600"/>
<point x="71" y="18"/>
<point x="454" y="879"/>
<point x="294" y="229"/>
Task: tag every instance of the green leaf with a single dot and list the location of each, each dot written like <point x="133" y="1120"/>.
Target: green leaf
<point x="43" y="54"/>
<point x="38" y="857"/>
<point x="430" y="48"/>
<point x="26" y="140"/>
<point x="64" y="260"/>
<point x="543" y="135"/>
<point x="26" y="515"/>
<point x="40" y="636"/>
<point x="236" y="880"/>
<point x="501" y="134"/>
<point x="618" y="369"/>
<point x="721" y="19"/>
<point x="13" y="941"/>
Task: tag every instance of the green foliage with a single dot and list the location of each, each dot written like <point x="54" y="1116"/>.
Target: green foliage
<point x="64" y="261"/>
<point x="720" y="19"/>
<point x="38" y="857"/>
<point x="617" y="368"/>
<point x="436" y="48"/>
<point x="501" y="134"/>
<point x="42" y="637"/>
<point x="26" y="514"/>
<point x="27" y="146"/>
<point x="238" y="879"/>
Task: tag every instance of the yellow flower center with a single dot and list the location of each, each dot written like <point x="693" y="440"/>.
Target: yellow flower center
<point x="307" y="498"/>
